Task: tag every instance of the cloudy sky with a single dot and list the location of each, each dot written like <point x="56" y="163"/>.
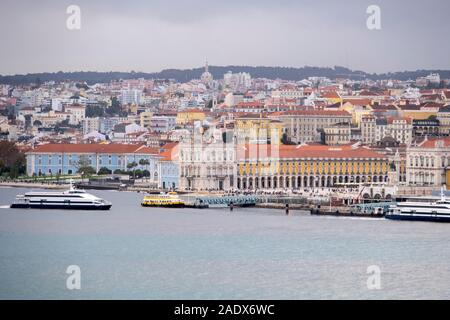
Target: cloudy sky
<point x="155" y="34"/>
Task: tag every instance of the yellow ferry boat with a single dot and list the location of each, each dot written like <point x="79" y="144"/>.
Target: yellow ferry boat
<point x="170" y="200"/>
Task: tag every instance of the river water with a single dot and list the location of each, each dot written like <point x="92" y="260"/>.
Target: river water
<point x="132" y="252"/>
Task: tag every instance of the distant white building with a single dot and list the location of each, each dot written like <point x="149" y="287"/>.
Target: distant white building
<point x="94" y="135"/>
<point x="123" y="129"/>
<point x="78" y="113"/>
<point x="434" y="78"/>
<point x="56" y="104"/>
<point x="131" y="96"/>
<point x="237" y="81"/>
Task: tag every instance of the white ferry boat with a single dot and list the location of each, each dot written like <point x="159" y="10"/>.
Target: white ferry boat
<point x="438" y="211"/>
<point x="72" y="199"/>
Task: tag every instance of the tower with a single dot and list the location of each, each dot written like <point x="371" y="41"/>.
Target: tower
<point x="207" y="78"/>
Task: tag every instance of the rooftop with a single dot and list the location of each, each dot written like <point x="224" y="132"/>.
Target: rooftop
<point x="94" y="148"/>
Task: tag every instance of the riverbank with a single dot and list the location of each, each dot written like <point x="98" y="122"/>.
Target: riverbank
<point x="32" y="185"/>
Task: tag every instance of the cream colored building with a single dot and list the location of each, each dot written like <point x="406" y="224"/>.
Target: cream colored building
<point x="206" y="162"/>
<point x="338" y="134"/>
<point x="305" y="126"/>
<point x="428" y="162"/>
<point x="146" y="119"/>
<point x="375" y="129"/>
<point x="78" y="113"/>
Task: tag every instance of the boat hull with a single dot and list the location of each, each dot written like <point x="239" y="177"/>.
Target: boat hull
<point x="171" y="205"/>
<point x="424" y="218"/>
<point x="60" y="206"/>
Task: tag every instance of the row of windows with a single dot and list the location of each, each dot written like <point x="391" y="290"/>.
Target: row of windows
<point x="421" y="161"/>
<point x="90" y="160"/>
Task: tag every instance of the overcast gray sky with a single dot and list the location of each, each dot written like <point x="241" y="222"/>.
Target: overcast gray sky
<point x="152" y="35"/>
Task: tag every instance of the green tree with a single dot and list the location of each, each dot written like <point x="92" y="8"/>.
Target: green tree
<point x="84" y="167"/>
<point x="93" y="111"/>
<point x="115" y="108"/>
<point x="86" y="171"/>
<point x="104" y="171"/>
<point x="27" y="120"/>
<point x="146" y="173"/>
<point x="138" y="173"/>
<point x="144" y="162"/>
<point x="132" y="166"/>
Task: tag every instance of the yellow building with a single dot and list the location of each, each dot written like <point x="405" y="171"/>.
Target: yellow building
<point x="146" y="119"/>
<point x="294" y="167"/>
<point x="132" y="108"/>
<point x="184" y="117"/>
<point x="419" y="114"/>
<point x="258" y="129"/>
<point x="332" y="97"/>
<point x="357" y="110"/>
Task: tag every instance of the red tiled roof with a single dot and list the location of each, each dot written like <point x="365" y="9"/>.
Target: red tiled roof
<point x="170" y="152"/>
<point x="94" y="148"/>
<point x="390" y="120"/>
<point x="358" y="101"/>
<point x="432" y="105"/>
<point x="431" y="143"/>
<point x="331" y="95"/>
<point x="306" y="151"/>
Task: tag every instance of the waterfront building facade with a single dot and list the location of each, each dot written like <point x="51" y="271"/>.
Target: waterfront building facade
<point x="308" y="166"/>
<point x="428" y="162"/>
<point x="207" y="162"/>
<point x="168" y="167"/>
<point x="53" y="159"/>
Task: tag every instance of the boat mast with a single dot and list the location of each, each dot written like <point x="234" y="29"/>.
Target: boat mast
<point x="71" y="188"/>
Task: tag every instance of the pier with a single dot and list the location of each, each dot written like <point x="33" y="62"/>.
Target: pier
<point x="221" y="201"/>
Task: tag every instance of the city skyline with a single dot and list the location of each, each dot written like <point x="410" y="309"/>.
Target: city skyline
<point x="150" y="36"/>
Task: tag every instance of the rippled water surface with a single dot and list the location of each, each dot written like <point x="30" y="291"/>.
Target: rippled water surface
<point x="131" y="252"/>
